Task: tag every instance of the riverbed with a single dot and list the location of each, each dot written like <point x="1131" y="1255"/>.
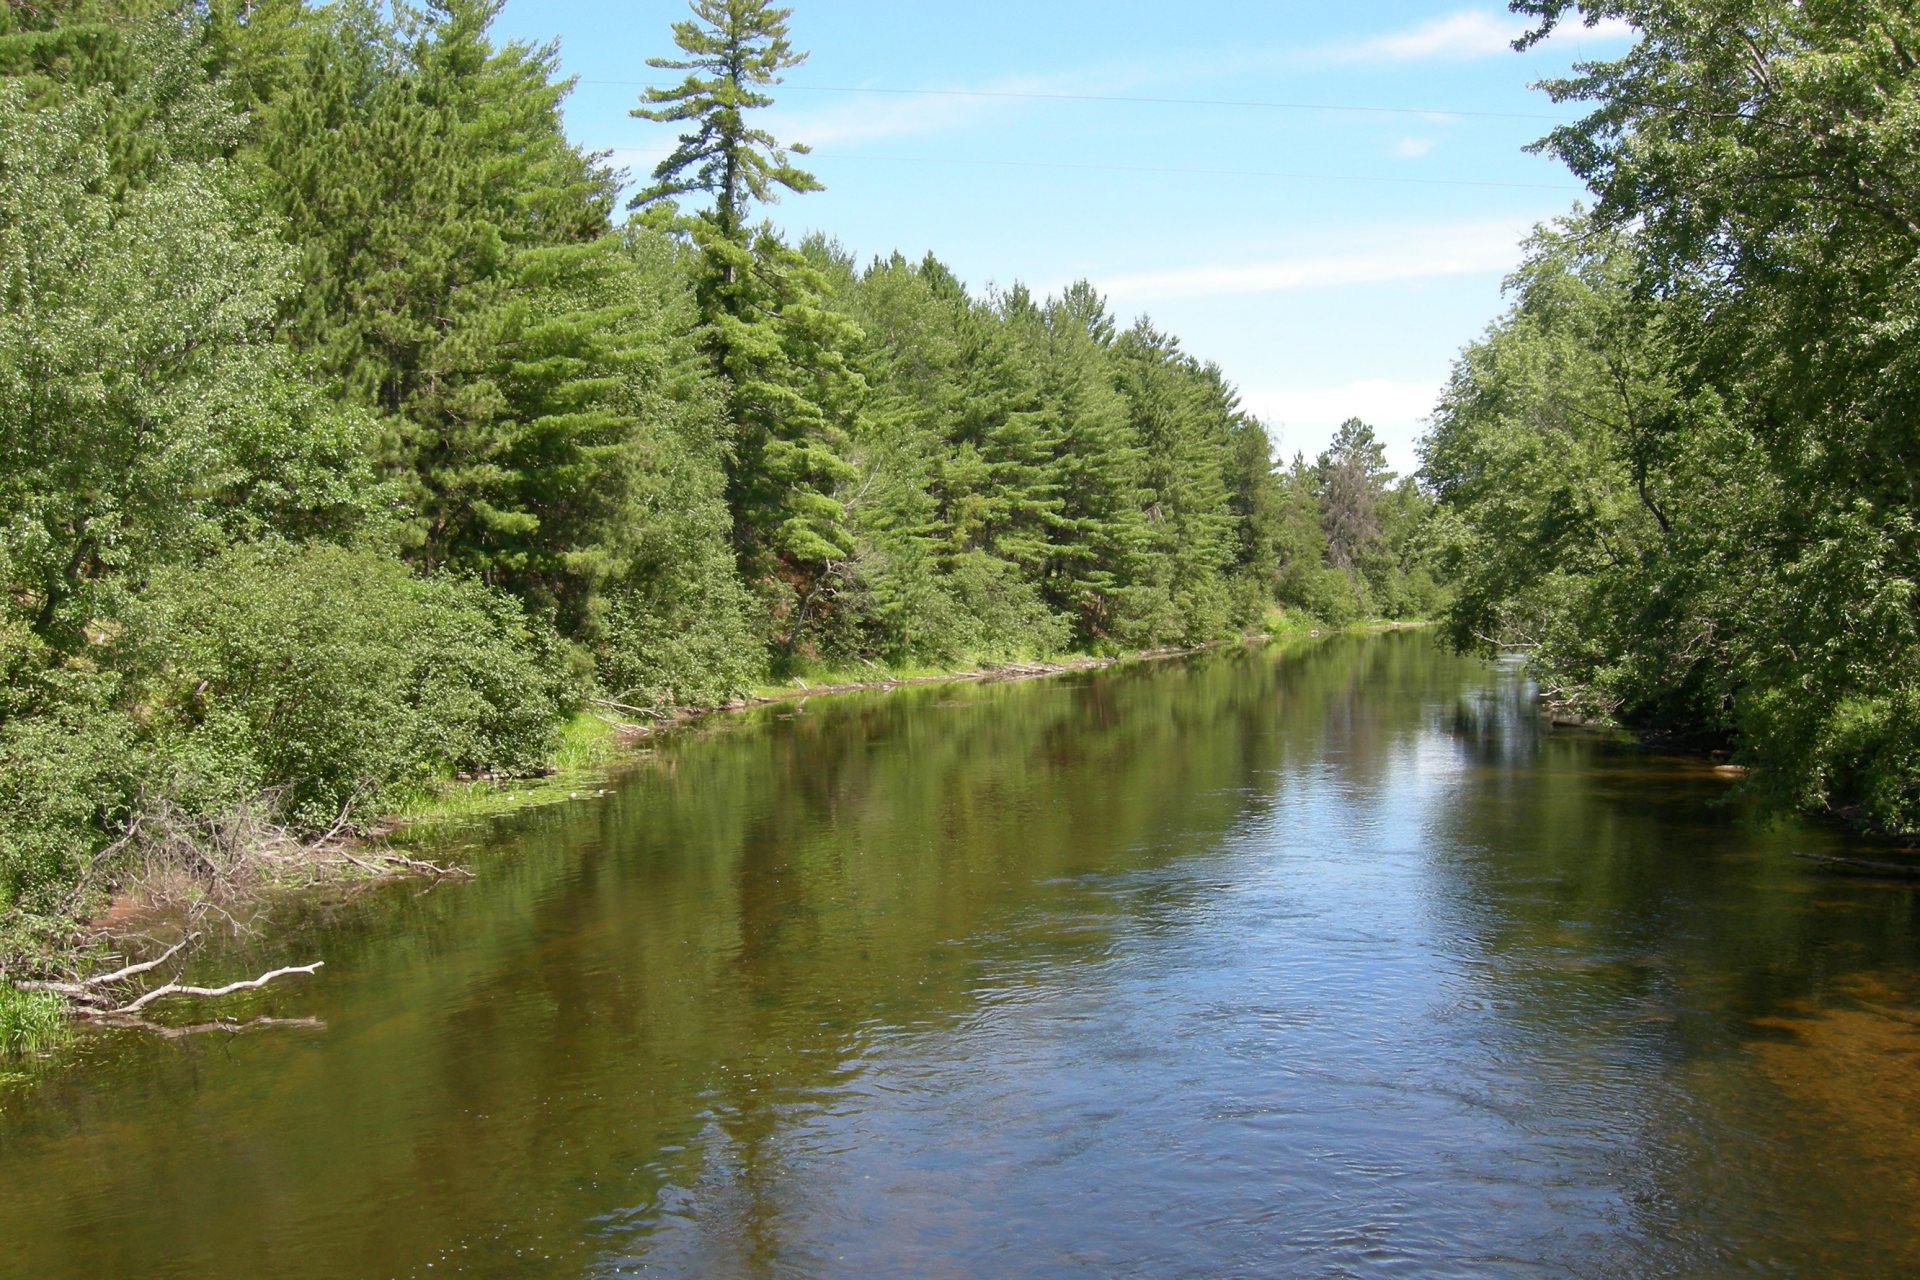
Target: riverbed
<point x="1314" y="960"/>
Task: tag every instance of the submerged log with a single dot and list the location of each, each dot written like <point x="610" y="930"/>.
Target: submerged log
<point x="1902" y="870"/>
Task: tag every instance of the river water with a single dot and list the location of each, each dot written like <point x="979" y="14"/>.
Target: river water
<point x="1321" y="961"/>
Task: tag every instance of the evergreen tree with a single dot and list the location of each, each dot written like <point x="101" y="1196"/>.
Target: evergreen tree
<point x="1256" y="495"/>
<point x="785" y="355"/>
<point x="1182" y="416"/>
<point x="960" y="420"/>
<point x="1099" y="535"/>
<point x="463" y="283"/>
<point x="1352" y="475"/>
<point x="733" y="48"/>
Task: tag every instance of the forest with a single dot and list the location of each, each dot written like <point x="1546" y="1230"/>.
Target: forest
<point x="1681" y="472"/>
<point x="357" y="432"/>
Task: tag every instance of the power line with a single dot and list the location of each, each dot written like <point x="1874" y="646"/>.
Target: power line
<point x="1360" y="108"/>
<point x="1205" y="173"/>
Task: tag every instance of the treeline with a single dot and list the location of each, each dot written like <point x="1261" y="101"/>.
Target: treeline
<point x="1682" y="471"/>
<point x="351" y="437"/>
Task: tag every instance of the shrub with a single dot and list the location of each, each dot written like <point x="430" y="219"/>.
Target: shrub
<point x="681" y="643"/>
<point x="325" y="674"/>
<point x="65" y="767"/>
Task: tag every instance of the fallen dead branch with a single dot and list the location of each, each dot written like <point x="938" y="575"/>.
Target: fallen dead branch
<point x="212" y="993"/>
<point x="94" y="990"/>
<point x="105" y="999"/>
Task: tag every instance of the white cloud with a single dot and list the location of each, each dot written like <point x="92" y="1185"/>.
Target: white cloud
<point x="1382" y="255"/>
<point x="900" y="113"/>
<point x="1471" y="33"/>
<point x="1304" y="419"/>
<point x="892" y="115"/>
<point x="1412" y="148"/>
<point x="1467" y="34"/>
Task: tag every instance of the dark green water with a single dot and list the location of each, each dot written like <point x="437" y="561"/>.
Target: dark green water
<point x="1328" y="962"/>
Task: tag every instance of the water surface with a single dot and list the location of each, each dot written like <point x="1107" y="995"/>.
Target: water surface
<point x="1314" y="962"/>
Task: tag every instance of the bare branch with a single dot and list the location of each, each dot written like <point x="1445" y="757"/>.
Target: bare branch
<point x="213" y="993"/>
<point x="90" y="986"/>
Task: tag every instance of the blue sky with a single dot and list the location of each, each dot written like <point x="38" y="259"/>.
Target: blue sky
<point x="1323" y="200"/>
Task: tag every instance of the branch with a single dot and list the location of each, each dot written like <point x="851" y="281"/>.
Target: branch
<point x="132" y="832"/>
<point x="89" y="987"/>
<point x="211" y="993"/>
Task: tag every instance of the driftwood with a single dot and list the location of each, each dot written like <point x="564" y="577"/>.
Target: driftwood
<point x="93" y="991"/>
<point x="211" y="993"/>
<point x="95" y="998"/>
<point x="1903" y="870"/>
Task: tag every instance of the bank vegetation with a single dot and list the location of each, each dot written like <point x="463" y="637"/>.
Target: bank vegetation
<point x="356" y="435"/>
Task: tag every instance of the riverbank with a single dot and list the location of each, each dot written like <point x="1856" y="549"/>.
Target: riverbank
<point x="162" y="904"/>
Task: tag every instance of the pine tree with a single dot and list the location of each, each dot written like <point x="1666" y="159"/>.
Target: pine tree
<point x="1099" y="537"/>
<point x="1352" y="475"/>
<point x="786" y="356"/>
<point x="733" y="48"/>
<point x="1181" y="414"/>
<point x="464" y="283"/>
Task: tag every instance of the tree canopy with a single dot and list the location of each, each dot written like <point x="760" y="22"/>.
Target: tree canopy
<point x="1682" y="471"/>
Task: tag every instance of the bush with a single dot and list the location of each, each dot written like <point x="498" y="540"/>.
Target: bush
<point x="65" y="772"/>
<point x="323" y="675"/>
<point x="1008" y="616"/>
<point x="681" y="644"/>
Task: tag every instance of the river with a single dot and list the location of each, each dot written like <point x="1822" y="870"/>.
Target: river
<point x="1328" y="960"/>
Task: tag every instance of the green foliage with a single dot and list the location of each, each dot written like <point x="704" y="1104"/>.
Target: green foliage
<point x="322" y="675"/>
<point x="66" y="764"/>
<point x="462" y="284"/>
<point x="144" y="411"/>
<point x="1708" y="524"/>
<point x="681" y="642"/>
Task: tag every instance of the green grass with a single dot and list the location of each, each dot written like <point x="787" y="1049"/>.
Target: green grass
<point x="802" y="675"/>
<point x="31" y="1022"/>
<point x="1284" y="624"/>
<point x="587" y="744"/>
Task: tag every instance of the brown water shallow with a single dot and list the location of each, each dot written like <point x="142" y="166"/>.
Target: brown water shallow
<point x="1319" y="962"/>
